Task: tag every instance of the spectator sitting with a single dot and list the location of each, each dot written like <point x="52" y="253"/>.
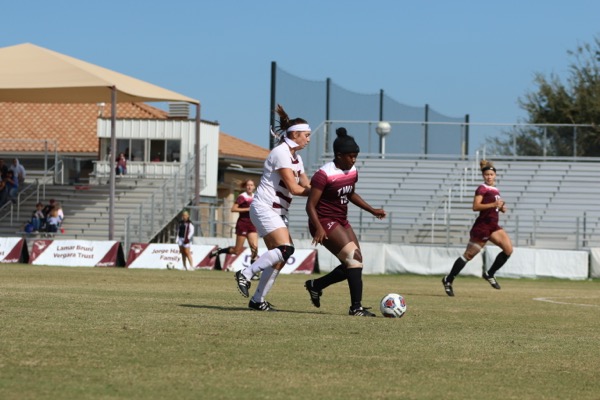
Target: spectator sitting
<point x="37" y="218"/>
<point x="61" y="216"/>
<point x="18" y="171"/>
<point x="53" y="221"/>
<point x="48" y="207"/>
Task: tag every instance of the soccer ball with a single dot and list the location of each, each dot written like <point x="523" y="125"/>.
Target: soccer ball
<point x="392" y="305"/>
<point x="170" y="265"/>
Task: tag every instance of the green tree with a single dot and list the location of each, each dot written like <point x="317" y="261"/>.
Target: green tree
<point x="577" y="101"/>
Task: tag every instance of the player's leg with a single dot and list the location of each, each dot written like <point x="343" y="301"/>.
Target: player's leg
<point x="183" y="256"/>
<point x="337" y="239"/>
<point x="473" y="248"/>
<point x="188" y="254"/>
<point x="253" y="244"/>
<point x="501" y="239"/>
<point x="343" y="243"/>
<point x="354" y="263"/>
<point x="280" y="248"/>
<point x="272" y="227"/>
<point x="277" y="255"/>
<point x="239" y="245"/>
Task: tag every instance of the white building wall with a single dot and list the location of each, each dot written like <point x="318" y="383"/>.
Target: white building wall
<point x="183" y="130"/>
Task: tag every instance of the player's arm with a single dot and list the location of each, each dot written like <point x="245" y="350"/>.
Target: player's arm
<point x="359" y="202"/>
<point x="479" y="206"/>
<point x="313" y="217"/>
<point x="304" y="181"/>
<point x="236" y="208"/>
<point x="287" y="175"/>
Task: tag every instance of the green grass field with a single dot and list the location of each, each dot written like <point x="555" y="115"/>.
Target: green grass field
<point x="104" y="333"/>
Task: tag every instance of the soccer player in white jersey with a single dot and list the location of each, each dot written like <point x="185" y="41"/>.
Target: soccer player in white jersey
<point x="332" y="188"/>
<point x="283" y="177"/>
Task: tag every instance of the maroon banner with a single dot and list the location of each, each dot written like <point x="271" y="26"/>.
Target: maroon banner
<point x="13" y="250"/>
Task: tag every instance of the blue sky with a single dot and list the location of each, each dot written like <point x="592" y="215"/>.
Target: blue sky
<point x="460" y="57"/>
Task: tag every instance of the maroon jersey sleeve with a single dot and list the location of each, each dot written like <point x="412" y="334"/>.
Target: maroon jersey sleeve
<point x="319" y="180"/>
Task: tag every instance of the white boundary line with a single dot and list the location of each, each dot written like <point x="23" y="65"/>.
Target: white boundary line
<point x="547" y="300"/>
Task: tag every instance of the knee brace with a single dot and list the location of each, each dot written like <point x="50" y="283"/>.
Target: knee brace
<point x="350" y="256"/>
<point x="286" y="251"/>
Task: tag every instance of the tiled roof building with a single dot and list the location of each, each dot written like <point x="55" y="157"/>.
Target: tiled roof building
<point x="25" y="126"/>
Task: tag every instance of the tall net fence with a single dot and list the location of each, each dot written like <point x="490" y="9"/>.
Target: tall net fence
<point x="327" y="106"/>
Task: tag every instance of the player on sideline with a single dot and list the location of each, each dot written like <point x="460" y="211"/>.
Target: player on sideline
<point x="244" y="229"/>
<point x="185" y="232"/>
<point x="488" y="202"/>
<point x="332" y="187"/>
<point x="283" y="177"/>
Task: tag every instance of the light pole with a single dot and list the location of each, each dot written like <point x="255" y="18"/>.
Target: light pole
<point x="383" y="129"/>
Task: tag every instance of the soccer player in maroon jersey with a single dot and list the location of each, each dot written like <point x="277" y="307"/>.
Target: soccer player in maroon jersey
<point x="488" y="202"/>
<point x="244" y="229"/>
<point x="332" y="188"/>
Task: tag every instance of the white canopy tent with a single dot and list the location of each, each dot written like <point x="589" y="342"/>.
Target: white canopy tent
<point x="33" y="74"/>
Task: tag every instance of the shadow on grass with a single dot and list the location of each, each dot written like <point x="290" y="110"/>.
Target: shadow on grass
<point x="221" y="308"/>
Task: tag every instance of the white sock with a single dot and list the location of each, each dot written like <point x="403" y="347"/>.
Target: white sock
<point x="269" y="283"/>
<point x="264" y="279"/>
<point x="268" y="259"/>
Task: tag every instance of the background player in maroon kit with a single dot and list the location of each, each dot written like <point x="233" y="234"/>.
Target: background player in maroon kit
<point x="332" y="187"/>
<point x="488" y="202"/>
<point x="244" y="229"/>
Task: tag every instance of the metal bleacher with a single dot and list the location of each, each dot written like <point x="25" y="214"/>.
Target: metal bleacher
<point x="551" y="204"/>
<point x="143" y="207"/>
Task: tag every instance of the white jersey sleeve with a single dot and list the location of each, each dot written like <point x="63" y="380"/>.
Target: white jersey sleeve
<point x="272" y="190"/>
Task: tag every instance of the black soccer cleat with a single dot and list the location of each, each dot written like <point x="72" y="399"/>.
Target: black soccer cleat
<point x="447" y="286"/>
<point x="361" y="312"/>
<point x="262" y="306"/>
<point x="243" y="284"/>
<point x="491" y="280"/>
<point x="315" y="295"/>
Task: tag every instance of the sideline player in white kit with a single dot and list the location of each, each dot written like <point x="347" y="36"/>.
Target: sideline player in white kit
<point x="283" y="177"/>
<point x="332" y="188"/>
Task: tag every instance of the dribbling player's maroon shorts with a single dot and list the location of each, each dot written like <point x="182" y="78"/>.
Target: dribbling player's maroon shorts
<point x="328" y="224"/>
<point x="244" y="226"/>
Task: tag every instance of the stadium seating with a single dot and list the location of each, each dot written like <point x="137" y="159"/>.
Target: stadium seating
<point x="552" y="204"/>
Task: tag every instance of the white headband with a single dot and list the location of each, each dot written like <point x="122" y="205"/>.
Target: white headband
<point x="299" y="127"/>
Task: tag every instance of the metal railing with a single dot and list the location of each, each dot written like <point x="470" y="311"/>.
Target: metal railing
<point x="162" y="206"/>
<point x="525" y="228"/>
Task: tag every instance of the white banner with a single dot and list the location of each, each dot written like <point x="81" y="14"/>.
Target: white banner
<point x="166" y="255"/>
<point x="11" y="249"/>
<point x="427" y="260"/>
<point x="301" y="262"/>
<point x="538" y="263"/>
<point x="75" y="253"/>
<point x="595" y="262"/>
<point x="382" y="258"/>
